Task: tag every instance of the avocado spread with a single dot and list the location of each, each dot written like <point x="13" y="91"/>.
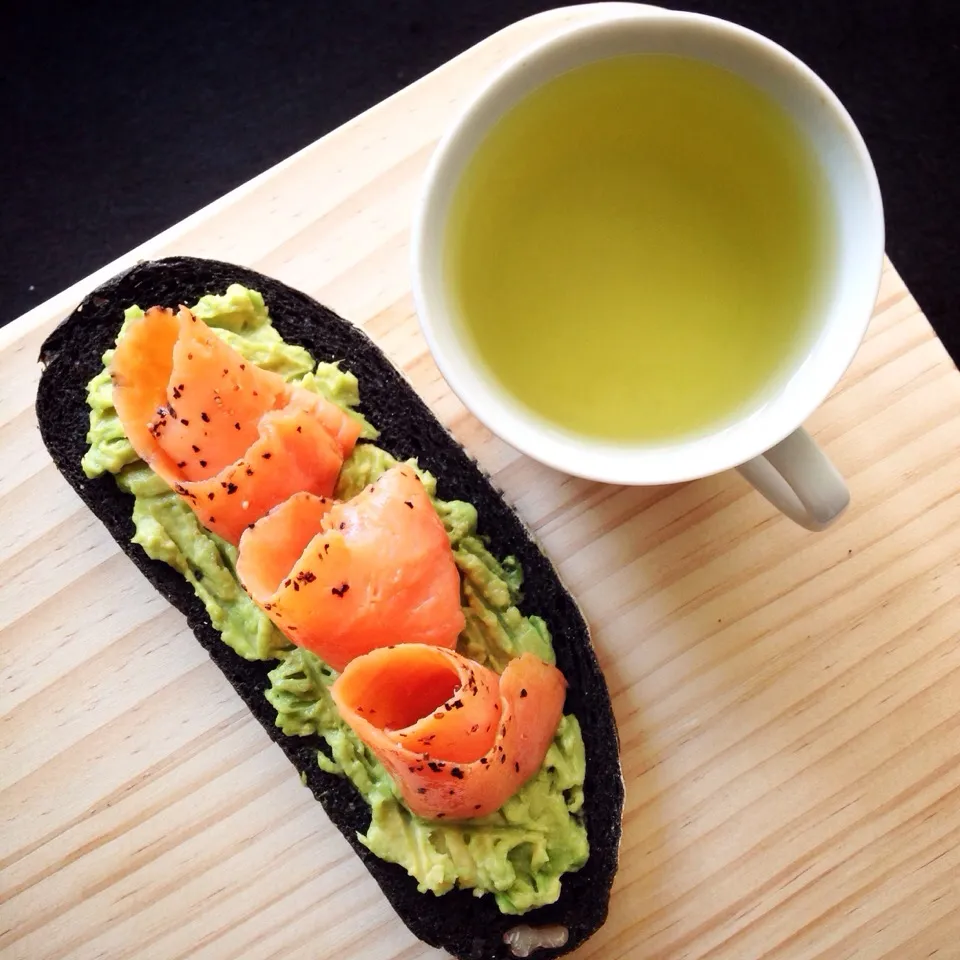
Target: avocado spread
<point x="519" y="853"/>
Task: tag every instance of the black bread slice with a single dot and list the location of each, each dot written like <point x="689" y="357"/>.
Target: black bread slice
<point x="470" y="928"/>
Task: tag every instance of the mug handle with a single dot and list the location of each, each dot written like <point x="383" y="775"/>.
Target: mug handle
<point x="799" y="480"/>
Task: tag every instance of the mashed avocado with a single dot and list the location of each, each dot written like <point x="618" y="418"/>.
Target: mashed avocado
<point x="519" y="853"/>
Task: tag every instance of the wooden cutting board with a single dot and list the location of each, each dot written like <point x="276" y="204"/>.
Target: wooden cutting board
<point x="789" y="703"/>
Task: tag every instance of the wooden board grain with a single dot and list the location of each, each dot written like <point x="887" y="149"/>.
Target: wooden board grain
<point x="789" y="703"/>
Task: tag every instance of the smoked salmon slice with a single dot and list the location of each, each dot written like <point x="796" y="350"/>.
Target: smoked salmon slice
<point x="457" y="739"/>
<point x="342" y="579"/>
<point x="231" y="438"/>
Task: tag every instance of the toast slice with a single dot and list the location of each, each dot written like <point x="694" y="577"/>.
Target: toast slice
<point x="469" y="927"/>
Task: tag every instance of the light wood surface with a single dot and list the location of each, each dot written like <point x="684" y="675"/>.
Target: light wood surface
<point x="789" y="703"/>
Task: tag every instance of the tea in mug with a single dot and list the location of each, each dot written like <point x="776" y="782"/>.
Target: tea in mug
<point x="637" y="249"/>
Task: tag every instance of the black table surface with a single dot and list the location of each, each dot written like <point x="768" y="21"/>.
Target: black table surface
<point x="121" y="121"/>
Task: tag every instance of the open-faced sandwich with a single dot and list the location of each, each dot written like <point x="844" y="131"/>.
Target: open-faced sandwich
<point x="362" y="585"/>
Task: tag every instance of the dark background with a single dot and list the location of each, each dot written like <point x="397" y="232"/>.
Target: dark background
<point x="121" y="121"/>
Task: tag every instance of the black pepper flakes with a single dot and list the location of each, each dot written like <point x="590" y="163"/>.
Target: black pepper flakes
<point x="339" y="592"/>
<point x="236" y="426"/>
<point x="408" y="504"/>
<point x="516" y="766"/>
<point x="523" y="693"/>
<point x="267" y="455"/>
<point x="211" y="495"/>
<point x="205" y="417"/>
<point x="185" y="422"/>
<point x="203" y="463"/>
<point x="503" y="758"/>
<point x="194" y="448"/>
<point x="231" y="488"/>
<point x="420" y="790"/>
<point x="456" y="772"/>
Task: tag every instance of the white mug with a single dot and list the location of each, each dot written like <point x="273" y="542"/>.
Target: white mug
<point x="768" y="446"/>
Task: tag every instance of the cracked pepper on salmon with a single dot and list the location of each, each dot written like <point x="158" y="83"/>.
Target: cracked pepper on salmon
<point x="342" y="579"/>
<point x="458" y="739"/>
<point x="230" y="438"/>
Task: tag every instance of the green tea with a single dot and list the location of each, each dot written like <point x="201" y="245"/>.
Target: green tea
<point x="637" y="248"/>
